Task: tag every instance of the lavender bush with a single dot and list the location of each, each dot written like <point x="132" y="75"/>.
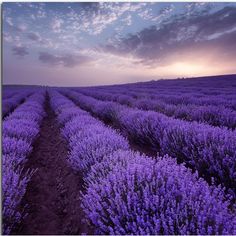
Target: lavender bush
<point x="129" y="193"/>
<point x="211" y="114"/>
<point x="145" y="196"/>
<point x="89" y="139"/>
<point x="91" y="149"/>
<point x="20" y="129"/>
<point x="10" y="103"/>
<point x="210" y="150"/>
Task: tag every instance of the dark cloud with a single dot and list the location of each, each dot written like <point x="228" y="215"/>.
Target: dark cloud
<point x="219" y="21"/>
<point x="34" y="36"/>
<point x="38" y="39"/>
<point x="64" y="60"/>
<point x="179" y="35"/>
<point x="20" y="51"/>
<point x="89" y="5"/>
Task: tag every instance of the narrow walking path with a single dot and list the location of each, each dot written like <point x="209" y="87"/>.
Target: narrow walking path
<point x="52" y="196"/>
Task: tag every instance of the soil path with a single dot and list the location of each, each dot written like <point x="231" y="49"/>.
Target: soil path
<point x="52" y="196"/>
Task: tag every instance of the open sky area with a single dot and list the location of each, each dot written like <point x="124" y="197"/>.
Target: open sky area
<point x="80" y="44"/>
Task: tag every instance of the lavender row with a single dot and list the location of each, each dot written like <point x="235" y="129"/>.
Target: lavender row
<point x="178" y="95"/>
<point x="205" y="100"/>
<point x="88" y="138"/>
<point x="222" y="86"/>
<point x="133" y="194"/>
<point x="8" y="93"/>
<point x="209" y="150"/>
<point x="189" y="91"/>
<point x="11" y="103"/>
<point x="178" y="90"/>
<point x="209" y="86"/>
<point x="209" y="114"/>
<point x="19" y="131"/>
<point x="193" y="91"/>
<point x="128" y="193"/>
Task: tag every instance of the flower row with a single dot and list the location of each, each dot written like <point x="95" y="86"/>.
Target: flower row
<point x="19" y="130"/>
<point x="209" y="150"/>
<point x="129" y="193"/>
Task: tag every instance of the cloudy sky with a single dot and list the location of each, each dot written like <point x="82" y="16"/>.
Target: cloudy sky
<point x="107" y="43"/>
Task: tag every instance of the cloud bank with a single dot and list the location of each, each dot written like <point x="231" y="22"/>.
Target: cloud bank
<point x="180" y="37"/>
<point x="120" y="39"/>
<point x="68" y="60"/>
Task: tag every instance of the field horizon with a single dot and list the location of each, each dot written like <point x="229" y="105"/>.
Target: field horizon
<point x="225" y="76"/>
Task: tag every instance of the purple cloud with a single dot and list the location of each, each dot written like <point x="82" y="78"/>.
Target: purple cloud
<point x="17" y="28"/>
<point x="180" y="34"/>
<point x="20" y="51"/>
<point x="64" y="60"/>
<point x="34" y="36"/>
<point x="38" y="39"/>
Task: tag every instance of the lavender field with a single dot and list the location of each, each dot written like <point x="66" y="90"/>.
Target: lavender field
<point x="144" y="158"/>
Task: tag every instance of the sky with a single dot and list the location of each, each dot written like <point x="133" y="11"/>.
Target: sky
<point x="85" y="44"/>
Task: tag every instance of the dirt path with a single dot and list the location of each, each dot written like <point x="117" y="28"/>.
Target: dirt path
<point x="52" y="195"/>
